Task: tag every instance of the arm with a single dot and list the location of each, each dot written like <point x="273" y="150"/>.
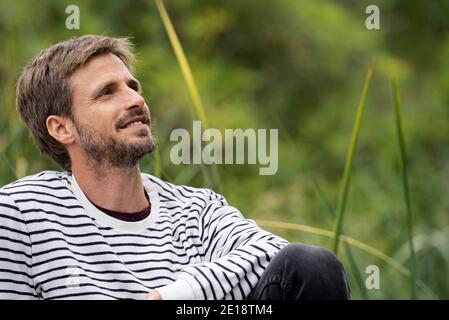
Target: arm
<point x="15" y="253"/>
<point x="236" y="252"/>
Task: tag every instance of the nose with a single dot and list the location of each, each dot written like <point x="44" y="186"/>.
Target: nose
<point x="133" y="99"/>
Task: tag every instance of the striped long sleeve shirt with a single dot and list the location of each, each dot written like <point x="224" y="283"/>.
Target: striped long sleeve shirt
<point x="55" y="244"/>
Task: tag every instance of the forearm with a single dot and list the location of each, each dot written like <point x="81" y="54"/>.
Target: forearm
<point x="230" y="276"/>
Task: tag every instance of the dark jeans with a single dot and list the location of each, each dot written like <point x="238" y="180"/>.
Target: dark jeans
<point x="302" y="272"/>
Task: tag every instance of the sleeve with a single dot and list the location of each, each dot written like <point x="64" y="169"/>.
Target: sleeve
<point x="16" y="280"/>
<point x="236" y="252"/>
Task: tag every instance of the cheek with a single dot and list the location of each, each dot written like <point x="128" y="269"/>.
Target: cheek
<point x="105" y="122"/>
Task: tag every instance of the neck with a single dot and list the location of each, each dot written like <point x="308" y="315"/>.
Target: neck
<point x="115" y="189"/>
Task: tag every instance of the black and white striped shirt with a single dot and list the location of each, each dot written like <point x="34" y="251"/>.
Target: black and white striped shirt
<point x="55" y="244"/>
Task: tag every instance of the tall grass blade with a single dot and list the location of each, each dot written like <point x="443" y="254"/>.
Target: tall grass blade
<point x="210" y="173"/>
<point x="343" y="196"/>
<point x="403" y="165"/>
<point x="182" y="60"/>
<point x="352" y="263"/>
<point x="331" y="210"/>
<point x="323" y="198"/>
<point x="357" y="273"/>
<point x="9" y="164"/>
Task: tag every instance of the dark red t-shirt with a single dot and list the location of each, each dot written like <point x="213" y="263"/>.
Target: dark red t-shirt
<point x="125" y="216"/>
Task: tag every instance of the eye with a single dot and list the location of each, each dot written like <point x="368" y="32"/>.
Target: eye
<point x="106" y="92"/>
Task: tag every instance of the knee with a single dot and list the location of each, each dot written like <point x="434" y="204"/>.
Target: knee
<point x="310" y="260"/>
<point x="300" y="252"/>
<point x="316" y="271"/>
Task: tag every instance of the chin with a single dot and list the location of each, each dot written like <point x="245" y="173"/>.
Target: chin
<point x="148" y="144"/>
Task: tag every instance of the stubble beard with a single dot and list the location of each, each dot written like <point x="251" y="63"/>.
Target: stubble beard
<point x="110" y="152"/>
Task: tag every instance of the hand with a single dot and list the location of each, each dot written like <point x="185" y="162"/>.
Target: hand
<point x="153" y="295"/>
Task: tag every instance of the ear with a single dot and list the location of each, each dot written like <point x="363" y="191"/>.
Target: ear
<point x="61" y="128"/>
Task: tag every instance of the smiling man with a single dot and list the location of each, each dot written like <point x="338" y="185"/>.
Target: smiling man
<point x="101" y="229"/>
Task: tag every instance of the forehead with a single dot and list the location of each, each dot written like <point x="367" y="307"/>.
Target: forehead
<point x="100" y="69"/>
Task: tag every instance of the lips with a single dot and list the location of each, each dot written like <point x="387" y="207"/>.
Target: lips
<point x="135" y="121"/>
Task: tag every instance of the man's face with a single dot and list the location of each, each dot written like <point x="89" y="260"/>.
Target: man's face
<point x="110" y="116"/>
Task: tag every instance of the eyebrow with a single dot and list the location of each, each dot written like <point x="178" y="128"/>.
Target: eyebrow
<point x="112" y="85"/>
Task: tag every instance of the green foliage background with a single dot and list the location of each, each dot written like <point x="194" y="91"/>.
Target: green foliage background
<point x="293" y="65"/>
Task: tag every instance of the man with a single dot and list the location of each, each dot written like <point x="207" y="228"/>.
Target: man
<point x="101" y="229"/>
